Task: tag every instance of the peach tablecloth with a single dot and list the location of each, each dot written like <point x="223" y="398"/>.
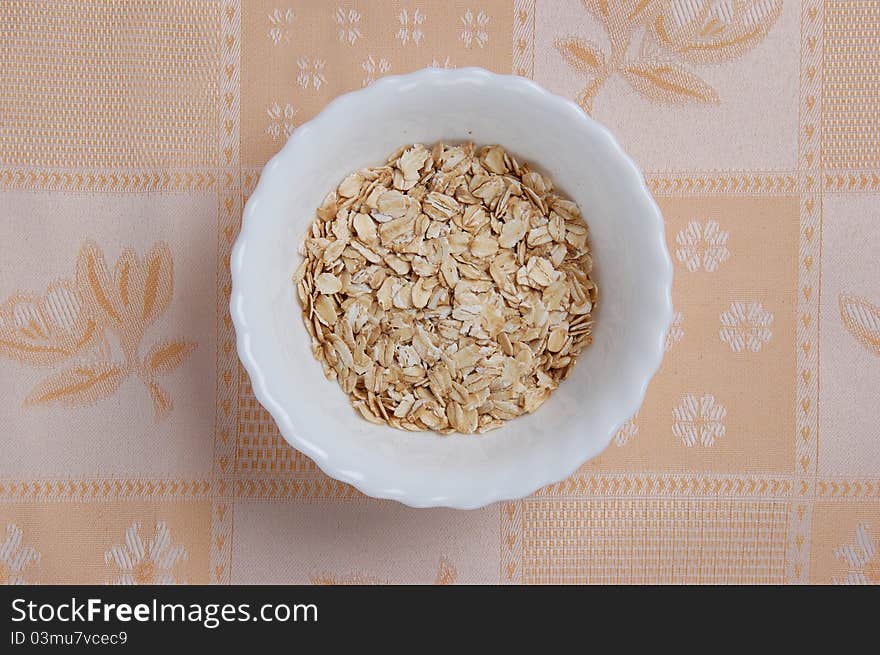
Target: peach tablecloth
<point x="131" y="134"/>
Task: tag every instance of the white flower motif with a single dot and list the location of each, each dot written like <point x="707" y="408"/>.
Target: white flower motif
<point x="699" y="419"/>
<point x="626" y="432"/>
<point x="279" y="25"/>
<point x="15" y="558"/>
<point x="436" y="63"/>
<point x="861" y="559"/>
<point x="474" y="28"/>
<point x="746" y="326"/>
<point x="410" y="26"/>
<point x="374" y="69"/>
<point x="676" y="332"/>
<point x="311" y="72"/>
<point x="280" y="120"/>
<point x="702" y="247"/>
<point x="150" y="563"/>
<point x="348" y="21"/>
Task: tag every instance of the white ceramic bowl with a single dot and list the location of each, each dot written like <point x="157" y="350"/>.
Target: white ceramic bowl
<point x="632" y="270"/>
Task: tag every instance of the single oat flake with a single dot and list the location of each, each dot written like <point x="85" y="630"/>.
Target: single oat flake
<point x="448" y="290"/>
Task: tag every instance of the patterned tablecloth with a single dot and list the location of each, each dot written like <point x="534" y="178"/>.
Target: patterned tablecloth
<point x="133" y="450"/>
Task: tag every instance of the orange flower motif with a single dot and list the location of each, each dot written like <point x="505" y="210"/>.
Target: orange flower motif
<point x="711" y="32"/>
<point x="44" y="330"/>
<point x="446" y="573"/>
<point x="671" y="32"/>
<point x="862" y="319"/>
<point x="133" y="297"/>
<point x="71" y="318"/>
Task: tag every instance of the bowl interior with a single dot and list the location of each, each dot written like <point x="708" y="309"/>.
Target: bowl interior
<point x="631" y="268"/>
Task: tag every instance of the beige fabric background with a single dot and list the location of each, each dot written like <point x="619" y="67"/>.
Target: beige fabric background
<point x="132" y="447"/>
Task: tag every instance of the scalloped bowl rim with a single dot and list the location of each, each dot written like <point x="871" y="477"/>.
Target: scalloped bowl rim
<point x="377" y="487"/>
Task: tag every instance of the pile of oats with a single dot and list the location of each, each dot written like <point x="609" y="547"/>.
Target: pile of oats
<point x="448" y="290"/>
